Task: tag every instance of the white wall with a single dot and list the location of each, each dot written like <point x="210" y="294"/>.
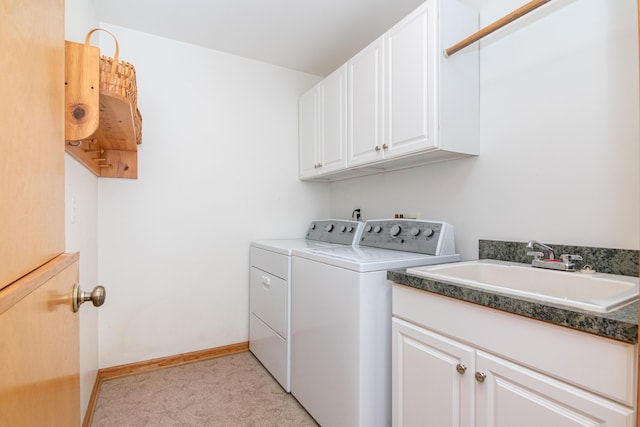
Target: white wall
<point x="217" y="169"/>
<point x="559" y="137"/>
<point x="81" y="232"/>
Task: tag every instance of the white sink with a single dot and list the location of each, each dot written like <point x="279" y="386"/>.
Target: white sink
<point x="597" y="292"/>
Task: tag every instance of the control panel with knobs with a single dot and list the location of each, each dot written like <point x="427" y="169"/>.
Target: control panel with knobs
<point x="411" y="235"/>
<point x="340" y="231"/>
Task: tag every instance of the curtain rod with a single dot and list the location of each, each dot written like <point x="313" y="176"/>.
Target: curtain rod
<point x="518" y="13"/>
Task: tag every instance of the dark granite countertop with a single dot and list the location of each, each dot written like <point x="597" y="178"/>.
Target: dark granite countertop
<point x="621" y="324"/>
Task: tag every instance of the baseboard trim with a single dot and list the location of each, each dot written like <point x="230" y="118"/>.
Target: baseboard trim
<point x="153" y="365"/>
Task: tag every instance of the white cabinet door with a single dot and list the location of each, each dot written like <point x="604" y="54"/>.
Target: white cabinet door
<point x="432" y="379"/>
<point x="365" y="105"/>
<point x="322" y="127"/>
<point x="333" y="131"/>
<point x="308" y="133"/>
<point x="411" y="83"/>
<point x="512" y="395"/>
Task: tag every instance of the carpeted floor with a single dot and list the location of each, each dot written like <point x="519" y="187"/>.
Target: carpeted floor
<point x="229" y="391"/>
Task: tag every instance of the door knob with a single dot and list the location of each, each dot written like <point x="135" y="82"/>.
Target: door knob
<point x="97" y="296"/>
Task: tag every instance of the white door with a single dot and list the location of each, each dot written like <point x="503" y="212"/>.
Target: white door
<point x="411" y="83"/>
<point x="365" y="105"/>
<point x="432" y="379"/>
<point x="308" y="133"/>
<point x="511" y="395"/>
<point x="333" y="130"/>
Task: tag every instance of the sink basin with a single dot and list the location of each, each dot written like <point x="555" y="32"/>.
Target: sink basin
<point x="597" y="292"/>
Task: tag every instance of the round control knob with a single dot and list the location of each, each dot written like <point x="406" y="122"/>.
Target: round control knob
<point x="414" y="231"/>
<point x="329" y="227"/>
<point x="343" y="228"/>
<point x="350" y="229"/>
<point x="368" y="228"/>
<point x="395" y="230"/>
<point x="428" y="232"/>
<point x="313" y="226"/>
<point x="377" y="229"/>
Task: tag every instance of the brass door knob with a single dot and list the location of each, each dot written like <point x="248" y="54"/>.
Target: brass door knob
<point x="97" y="296"/>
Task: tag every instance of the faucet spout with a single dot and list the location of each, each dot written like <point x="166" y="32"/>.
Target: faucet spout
<point x="533" y="244"/>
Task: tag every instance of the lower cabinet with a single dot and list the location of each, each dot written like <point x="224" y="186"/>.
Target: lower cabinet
<point x="432" y="378"/>
<point x="441" y="381"/>
<point x="508" y="394"/>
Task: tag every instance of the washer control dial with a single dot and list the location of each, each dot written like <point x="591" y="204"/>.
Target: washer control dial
<point x="329" y="228"/>
<point x="368" y="228"/>
<point x="377" y="229"/>
<point x="428" y="232"/>
<point x="414" y="231"/>
<point x="395" y="230"/>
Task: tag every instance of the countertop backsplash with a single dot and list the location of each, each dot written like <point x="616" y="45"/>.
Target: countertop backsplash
<point x="603" y="260"/>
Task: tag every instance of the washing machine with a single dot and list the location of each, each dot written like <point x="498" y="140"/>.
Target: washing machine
<point x="270" y="290"/>
<point x="341" y="318"/>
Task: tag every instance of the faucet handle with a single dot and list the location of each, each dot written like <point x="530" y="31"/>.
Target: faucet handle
<point x="537" y="256"/>
<point x="567" y="258"/>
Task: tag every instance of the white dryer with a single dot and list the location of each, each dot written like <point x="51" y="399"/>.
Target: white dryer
<point x="270" y="291"/>
<point x="341" y="318"/>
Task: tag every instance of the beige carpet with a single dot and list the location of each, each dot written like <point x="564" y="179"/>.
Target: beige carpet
<point x="228" y="391"/>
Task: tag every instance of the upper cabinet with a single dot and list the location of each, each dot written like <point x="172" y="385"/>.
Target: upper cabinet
<point x="408" y="104"/>
<point x="365" y="138"/>
<point x="323" y="127"/>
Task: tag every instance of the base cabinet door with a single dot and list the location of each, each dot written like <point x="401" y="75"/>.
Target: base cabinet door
<point x="510" y="395"/>
<point x="437" y="381"/>
<point x="432" y="379"/>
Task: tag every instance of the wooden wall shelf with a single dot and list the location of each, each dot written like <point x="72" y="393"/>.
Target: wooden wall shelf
<point x="103" y="127"/>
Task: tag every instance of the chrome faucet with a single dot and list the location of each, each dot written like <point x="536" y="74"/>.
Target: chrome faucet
<point x="564" y="263"/>
<point x="532" y="245"/>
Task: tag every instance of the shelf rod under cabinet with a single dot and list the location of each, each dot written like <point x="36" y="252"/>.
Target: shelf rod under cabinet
<point x="516" y="14"/>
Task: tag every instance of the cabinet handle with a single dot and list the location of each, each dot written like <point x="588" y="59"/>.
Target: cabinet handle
<point x="385" y="146"/>
<point x="480" y="377"/>
<point x="266" y="282"/>
<point x="461" y="368"/>
<point x="377" y="148"/>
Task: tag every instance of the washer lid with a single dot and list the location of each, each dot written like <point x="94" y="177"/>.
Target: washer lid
<point x="363" y="259"/>
<point x="286" y="246"/>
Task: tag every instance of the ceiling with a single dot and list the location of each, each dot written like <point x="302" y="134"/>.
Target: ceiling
<point x="313" y="36"/>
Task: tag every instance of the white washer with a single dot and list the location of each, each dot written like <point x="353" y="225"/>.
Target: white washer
<point x="270" y="291"/>
<point x="341" y="318"/>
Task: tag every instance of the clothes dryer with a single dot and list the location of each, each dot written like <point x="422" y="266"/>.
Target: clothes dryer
<point x="270" y="290"/>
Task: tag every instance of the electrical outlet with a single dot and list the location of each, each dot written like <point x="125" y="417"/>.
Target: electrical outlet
<point x="407" y="215"/>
